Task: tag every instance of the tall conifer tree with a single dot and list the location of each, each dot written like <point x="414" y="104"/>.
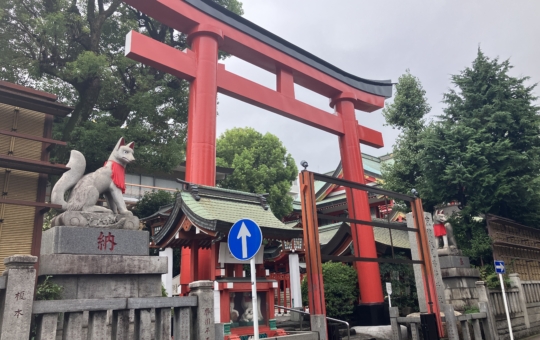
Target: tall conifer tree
<point x="483" y="151"/>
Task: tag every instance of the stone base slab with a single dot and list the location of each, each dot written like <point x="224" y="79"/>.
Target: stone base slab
<point x="460" y="272"/>
<point x="94" y="241"/>
<point x="378" y="332"/>
<point x="67" y="264"/>
<point x="454" y="262"/>
<point x="108" y="286"/>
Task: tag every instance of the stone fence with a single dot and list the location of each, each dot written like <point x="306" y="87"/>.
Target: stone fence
<point x="454" y="325"/>
<point x="523" y="304"/>
<point x="116" y="318"/>
<point x="70" y="313"/>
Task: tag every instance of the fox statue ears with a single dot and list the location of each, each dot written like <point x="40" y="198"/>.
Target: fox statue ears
<point x="122" y="142"/>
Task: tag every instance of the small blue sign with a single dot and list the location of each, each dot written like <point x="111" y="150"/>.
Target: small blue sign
<point x="245" y="239"/>
<point x="499" y="267"/>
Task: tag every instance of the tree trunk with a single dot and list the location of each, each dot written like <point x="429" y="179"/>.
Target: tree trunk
<point x="89" y="94"/>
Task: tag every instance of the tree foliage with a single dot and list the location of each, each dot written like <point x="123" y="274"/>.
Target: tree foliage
<point x="340" y="289"/>
<point x="401" y="276"/>
<point x="483" y="151"/>
<point x="406" y="114"/>
<point x="151" y="202"/>
<point x="75" y="49"/>
<point x="261" y="165"/>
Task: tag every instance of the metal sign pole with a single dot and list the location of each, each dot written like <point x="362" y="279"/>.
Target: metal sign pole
<point x="254" y="299"/>
<point x="244" y="241"/>
<point x="506" y="308"/>
<point x="389" y="292"/>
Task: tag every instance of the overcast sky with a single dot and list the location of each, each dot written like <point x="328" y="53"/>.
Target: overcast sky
<point x="380" y="40"/>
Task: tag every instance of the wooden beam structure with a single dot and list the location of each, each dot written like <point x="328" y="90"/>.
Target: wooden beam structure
<point x="32" y="137"/>
<point x="30" y="165"/>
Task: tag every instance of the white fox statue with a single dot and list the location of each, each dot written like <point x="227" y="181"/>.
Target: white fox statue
<point x="109" y="180"/>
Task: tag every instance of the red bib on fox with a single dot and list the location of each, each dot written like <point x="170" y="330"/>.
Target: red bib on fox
<point x="118" y="175"/>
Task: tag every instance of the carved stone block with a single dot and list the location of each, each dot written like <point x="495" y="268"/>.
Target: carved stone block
<point x="96" y="220"/>
<point x="94" y="241"/>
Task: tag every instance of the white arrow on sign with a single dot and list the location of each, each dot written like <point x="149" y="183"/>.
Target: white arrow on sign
<point x="244" y="233"/>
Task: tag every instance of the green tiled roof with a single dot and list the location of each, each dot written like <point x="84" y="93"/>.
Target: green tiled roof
<point x="327" y="232"/>
<point x="215" y="208"/>
<point x="399" y="237"/>
<point x="382" y="235"/>
<point x="371" y="164"/>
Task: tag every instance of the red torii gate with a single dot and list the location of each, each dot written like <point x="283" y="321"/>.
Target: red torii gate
<point x="209" y="28"/>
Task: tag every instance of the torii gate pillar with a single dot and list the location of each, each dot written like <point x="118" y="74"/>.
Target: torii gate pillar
<point x="211" y="27"/>
<point x="357" y="200"/>
<point x="201" y="138"/>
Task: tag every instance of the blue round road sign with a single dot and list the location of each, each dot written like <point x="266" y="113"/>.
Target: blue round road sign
<point x="245" y="239"/>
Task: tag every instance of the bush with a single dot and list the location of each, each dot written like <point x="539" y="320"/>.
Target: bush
<point x="340" y="289"/>
<point x="48" y="290"/>
<point x="151" y="202"/>
<point x="491" y="278"/>
<point x="403" y="284"/>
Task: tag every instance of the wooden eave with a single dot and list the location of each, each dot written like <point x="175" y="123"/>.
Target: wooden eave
<point x="339" y="238"/>
<point x="29" y="203"/>
<point x="31" y="165"/>
<point x="28" y="99"/>
<point x="32" y="137"/>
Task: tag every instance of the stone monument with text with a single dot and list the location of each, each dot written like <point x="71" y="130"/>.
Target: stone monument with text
<point x="97" y="252"/>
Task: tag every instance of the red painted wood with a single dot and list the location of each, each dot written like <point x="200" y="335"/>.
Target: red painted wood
<point x="201" y="140"/>
<point x="185" y="18"/>
<point x="164" y="57"/>
<point x="285" y="81"/>
<point x="357" y="202"/>
<point x="207" y="78"/>
<point x="430" y="288"/>
<point x="312" y="245"/>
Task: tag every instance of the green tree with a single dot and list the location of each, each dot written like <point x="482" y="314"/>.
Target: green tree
<point x="261" y="165"/>
<point x="75" y="49"/>
<point x="483" y="151"/>
<point x="406" y="114"/>
<point x="151" y="202"/>
<point x="340" y="289"/>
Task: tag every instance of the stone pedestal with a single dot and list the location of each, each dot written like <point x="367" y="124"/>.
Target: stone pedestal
<point x="101" y="263"/>
<point x="459" y="281"/>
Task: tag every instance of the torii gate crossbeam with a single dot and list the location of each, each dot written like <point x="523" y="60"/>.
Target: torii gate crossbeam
<point x="209" y="28"/>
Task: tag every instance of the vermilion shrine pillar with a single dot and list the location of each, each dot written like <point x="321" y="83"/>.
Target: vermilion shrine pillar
<point x="357" y="200"/>
<point x="201" y="138"/>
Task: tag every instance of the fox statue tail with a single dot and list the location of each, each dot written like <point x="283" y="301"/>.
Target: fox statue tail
<point x="77" y="166"/>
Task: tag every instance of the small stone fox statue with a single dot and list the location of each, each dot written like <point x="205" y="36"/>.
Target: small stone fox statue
<point x="108" y="180"/>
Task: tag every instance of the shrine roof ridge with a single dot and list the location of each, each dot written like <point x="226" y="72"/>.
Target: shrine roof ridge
<point x="198" y="191"/>
<point x="381" y="88"/>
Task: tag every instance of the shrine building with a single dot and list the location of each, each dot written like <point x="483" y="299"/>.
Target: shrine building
<point x="26" y="118"/>
<point x="202" y="216"/>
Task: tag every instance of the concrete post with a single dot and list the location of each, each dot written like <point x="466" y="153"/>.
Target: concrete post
<point x="318" y="324"/>
<point x="451" y="322"/>
<point x="16" y="309"/>
<point x="296" y="290"/>
<point x="489" y="327"/>
<point x="515" y="281"/>
<point x="166" y="279"/>
<point x="294" y="274"/>
<point x="416" y="267"/>
<point x="183" y="323"/>
<point x="396" y="330"/>
<point x="484" y="305"/>
<point x="204" y="318"/>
